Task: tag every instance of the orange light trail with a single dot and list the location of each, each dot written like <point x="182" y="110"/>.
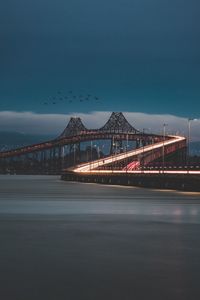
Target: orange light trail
<point x="89" y="167"/>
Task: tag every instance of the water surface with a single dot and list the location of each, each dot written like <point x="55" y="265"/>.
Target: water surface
<point x="65" y="240"/>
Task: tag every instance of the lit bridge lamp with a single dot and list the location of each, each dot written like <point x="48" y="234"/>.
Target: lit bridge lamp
<point x="189" y="138"/>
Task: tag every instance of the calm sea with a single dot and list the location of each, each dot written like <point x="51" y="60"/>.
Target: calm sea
<point x="65" y="240"/>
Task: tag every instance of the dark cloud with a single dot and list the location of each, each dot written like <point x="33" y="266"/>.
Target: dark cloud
<point x="137" y="54"/>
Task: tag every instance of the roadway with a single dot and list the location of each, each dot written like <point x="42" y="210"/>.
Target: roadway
<point x="91" y="166"/>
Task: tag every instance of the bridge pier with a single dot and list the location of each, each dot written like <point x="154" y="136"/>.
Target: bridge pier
<point x="161" y="181"/>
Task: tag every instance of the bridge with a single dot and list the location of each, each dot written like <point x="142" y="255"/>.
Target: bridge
<point x="65" y="151"/>
<point x="128" y="161"/>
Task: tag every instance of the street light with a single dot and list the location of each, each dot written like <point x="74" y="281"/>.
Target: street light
<point x="114" y="147"/>
<point x="126" y="149"/>
<point x="74" y="154"/>
<point x="97" y="149"/>
<point x="63" y="156"/>
<point x="91" y="155"/>
<point x="189" y="134"/>
<point x="163" y="152"/>
<point x="126" y="142"/>
<point x="152" y="152"/>
<point x="143" y="133"/>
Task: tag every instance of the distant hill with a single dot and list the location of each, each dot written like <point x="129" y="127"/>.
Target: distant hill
<point x="195" y="148"/>
<point x="11" y="140"/>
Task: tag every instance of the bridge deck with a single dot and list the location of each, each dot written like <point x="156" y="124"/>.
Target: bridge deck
<point x="177" y="141"/>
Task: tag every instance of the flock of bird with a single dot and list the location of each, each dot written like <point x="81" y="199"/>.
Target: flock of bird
<point x="70" y="97"/>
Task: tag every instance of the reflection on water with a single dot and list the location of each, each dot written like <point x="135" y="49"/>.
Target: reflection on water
<point x="153" y="211"/>
<point x="62" y="240"/>
<point x="49" y="195"/>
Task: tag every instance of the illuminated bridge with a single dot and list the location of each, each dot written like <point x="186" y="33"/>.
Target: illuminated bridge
<point x="115" y="146"/>
<point x="128" y="161"/>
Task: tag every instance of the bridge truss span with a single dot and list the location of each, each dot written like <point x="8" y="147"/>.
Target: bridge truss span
<point x="82" y="137"/>
<point x="65" y="150"/>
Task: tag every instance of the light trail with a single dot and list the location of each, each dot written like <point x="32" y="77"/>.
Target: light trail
<point x="142" y="172"/>
<point x="89" y="167"/>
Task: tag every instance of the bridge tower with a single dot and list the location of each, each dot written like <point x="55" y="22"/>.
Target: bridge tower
<point x="75" y="127"/>
<point x="117" y="124"/>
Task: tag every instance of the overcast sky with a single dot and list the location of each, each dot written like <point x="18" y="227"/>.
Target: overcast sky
<point x="132" y="55"/>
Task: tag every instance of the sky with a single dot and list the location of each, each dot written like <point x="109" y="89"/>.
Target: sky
<point x="75" y="56"/>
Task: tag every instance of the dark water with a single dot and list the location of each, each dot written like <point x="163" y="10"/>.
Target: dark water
<point x="61" y="240"/>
